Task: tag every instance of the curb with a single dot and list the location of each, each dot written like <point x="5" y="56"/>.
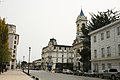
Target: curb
<point x="35" y="78"/>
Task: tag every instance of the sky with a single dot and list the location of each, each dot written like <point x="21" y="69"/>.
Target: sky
<point x="37" y="21"/>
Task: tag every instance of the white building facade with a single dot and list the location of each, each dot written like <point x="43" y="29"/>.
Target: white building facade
<point x="57" y="56"/>
<point x="13" y="41"/>
<point x="105" y="47"/>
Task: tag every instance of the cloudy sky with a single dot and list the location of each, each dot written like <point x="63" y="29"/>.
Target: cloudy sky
<point x="39" y="20"/>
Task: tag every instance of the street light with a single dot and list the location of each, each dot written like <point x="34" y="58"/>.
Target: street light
<point x="62" y="59"/>
<point x="29" y="60"/>
<point x="23" y="64"/>
<point x="23" y="58"/>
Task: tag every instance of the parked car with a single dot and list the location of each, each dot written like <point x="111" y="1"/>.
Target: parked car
<point x="78" y="72"/>
<point x="58" y="70"/>
<point x="110" y="73"/>
<point x="118" y="76"/>
<point x="67" y="71"/>
<point x="64" y="71"/>
<point x="91" y="73"/>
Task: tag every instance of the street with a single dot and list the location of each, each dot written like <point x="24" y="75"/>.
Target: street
<point x="43" y="75"/>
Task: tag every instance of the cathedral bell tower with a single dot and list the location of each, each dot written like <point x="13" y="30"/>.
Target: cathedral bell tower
<point x="81" y="21"/>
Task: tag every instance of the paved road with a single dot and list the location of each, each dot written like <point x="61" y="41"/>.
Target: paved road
<point x="43" y="75"/>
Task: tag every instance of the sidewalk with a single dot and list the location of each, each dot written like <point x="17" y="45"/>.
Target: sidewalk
<point x="14" y="75"/>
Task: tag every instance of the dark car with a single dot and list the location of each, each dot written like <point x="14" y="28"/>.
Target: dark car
<point x="58" y="70"/>
<point x="78" y="72"/>
<point x="118" y="76"/>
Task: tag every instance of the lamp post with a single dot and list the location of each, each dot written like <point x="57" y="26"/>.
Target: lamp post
<point x="23" y="64"/>
<point x="29" y="60"/>
<point x="62" y="59"/>
<point x="23" y="58"/>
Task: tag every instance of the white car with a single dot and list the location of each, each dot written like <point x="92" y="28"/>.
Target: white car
<point x="67" y="71"/>
<point x="109" y="73"/>
<point x="91" y="73"/>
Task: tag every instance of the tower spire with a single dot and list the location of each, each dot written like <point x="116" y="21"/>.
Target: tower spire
<point x="81" y="13"/>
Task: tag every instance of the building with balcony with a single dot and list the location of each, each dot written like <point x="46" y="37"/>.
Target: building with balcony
<point x="56" y="56"/>
<point x="105" y="47"/>
<point x="13" y="41"/>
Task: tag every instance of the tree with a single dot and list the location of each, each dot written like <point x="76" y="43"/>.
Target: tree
<point x="86" y="40"/>
<point x="85" y="52"/>
<point x="5" y="55"/>
<point x="85" y="58"/>
<point x="103" y="18"/>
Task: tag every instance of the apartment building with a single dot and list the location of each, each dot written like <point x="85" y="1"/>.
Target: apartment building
<point x="105" y="47"/>
<point x="56" y="56"/>
<point x="13" y="42"/>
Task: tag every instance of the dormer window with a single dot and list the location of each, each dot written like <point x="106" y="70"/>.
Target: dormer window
<point x="50" y="44"/>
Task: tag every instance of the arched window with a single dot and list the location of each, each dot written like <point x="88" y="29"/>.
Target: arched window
<point x="77" y="27"/>
<point x="83" y="24"/>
